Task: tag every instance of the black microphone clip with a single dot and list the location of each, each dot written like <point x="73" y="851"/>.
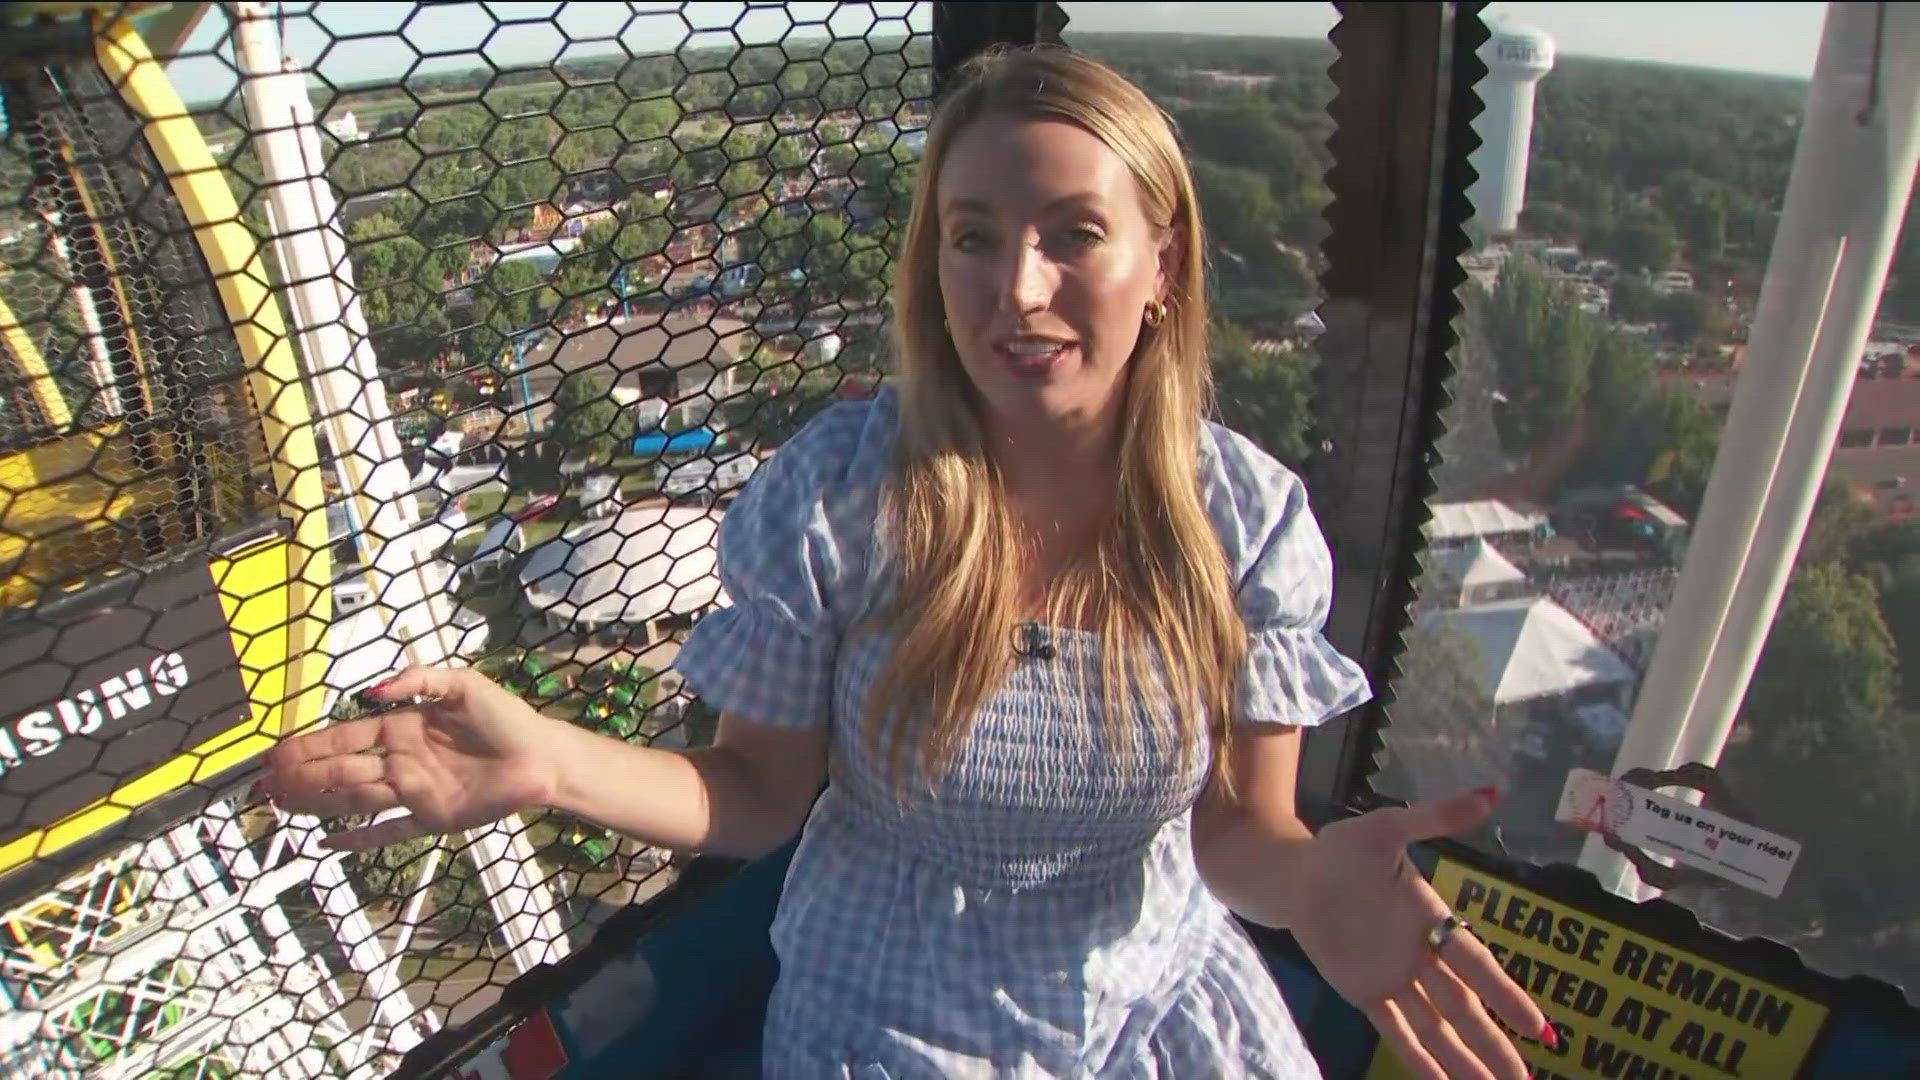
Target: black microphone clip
<point x="1035" y="644"/>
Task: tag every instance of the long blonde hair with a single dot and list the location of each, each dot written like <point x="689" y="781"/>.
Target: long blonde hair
<point x="1156" y="584"/>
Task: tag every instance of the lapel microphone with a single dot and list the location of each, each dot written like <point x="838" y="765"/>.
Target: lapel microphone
<point x="1033" y="643"/>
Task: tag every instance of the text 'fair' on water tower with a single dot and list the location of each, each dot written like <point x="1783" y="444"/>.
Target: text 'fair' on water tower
<point x="1516" y="57"/>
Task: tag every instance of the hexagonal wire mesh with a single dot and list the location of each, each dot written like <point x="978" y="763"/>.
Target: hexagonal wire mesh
<point x="448" y="340"/>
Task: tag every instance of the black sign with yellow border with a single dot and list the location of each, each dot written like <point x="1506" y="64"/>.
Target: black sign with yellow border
<point x="92" y="697"/>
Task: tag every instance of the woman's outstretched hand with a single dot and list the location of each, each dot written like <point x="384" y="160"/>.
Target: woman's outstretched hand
<point x="1364" y="920"/>
<point x="469" y="754"/>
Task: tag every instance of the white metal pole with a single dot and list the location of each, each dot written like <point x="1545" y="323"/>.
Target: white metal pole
<point x="1823" y="284"/>
<point x="305" y="977"/>
<point x="99" y="361"/>
<point x="393" y="1007"/>
<point x="1870" y="210"/>
<point x="333" y="333"/>
<point x="343" y="372"/>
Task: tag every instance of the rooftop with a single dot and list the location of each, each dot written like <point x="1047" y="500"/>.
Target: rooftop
<point x="651" y="562"/>
<point x="1473" y="564"/>
<point x="1535" y="648"/>
<point x="1481" y="517"/>
<point x="618" y="351"/>
<point x="1878" y="403"/>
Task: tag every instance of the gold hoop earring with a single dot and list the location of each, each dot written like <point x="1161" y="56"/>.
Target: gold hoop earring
<point x="1156" y="313"/>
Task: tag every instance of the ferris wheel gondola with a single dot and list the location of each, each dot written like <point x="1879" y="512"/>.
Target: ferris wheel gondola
<point x="164" y="565"/>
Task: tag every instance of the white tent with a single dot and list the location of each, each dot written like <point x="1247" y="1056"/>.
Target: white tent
<point x="1473" y="565"/>
<point x="1456" y="521"/>
<point x="1535" y="648"/>
<point x="1604" y="724"/>
<point x="649" y="563"/>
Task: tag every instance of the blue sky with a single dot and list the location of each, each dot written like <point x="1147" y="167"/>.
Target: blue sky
<point x="371" y="40"/>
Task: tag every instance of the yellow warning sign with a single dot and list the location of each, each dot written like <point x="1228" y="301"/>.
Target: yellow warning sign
<point x="1624" y="1004"/>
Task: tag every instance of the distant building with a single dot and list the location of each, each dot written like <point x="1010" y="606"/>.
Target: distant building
<point x="345" y="128"/>
<point x="1555" y="686"/>
<point x="373" y="202"/>
<point x="1516" y="57"/>
<point x="1877" y="452"/>
<point x="1483" y="519"/>
<point x="686" y="361"/>
<point x="1233" y="80"/>
<point x="1534" y="649"/>
<point x="553" y="221"/>
<point x="1621" y="516"/>
<point x="1673" y="281"/>
<point x="499" y="546"/>
<point x="1463" y="575"/>
<point x="637" y="577"/>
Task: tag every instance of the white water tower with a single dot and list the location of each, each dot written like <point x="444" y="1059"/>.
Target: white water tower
<point x="1516" y="56"/>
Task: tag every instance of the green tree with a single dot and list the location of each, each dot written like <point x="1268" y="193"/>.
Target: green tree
<point x="588" y="273"/>
<point x="840" y="264"/>
<point x="1902" y="298"/>
<point x="1888" y="545"/>
<point x="1828" y="659"/>
<point x="1618" y="379"/>
<point x="1264" y="397"/>
<point x="1889" y="553"/>
<point x="1634" y="299"/>
<point x="1248" y="134"/>
<point x="505" y="301"/>
<point x="1440" y="685"/>
<point x="792" y="151"/>
<point x="1840" y="520"/>
<point x="587" y="423"/>
<point x="1543" y="346"/>
<point x="1551" y="220"/>
<point x="1683" y="435"/>
<point x="745" y="176"/>
<point x="1441" y="710"/>
<point x="838" y="158"/>
<point x="1664" y="443"/>
<point x="1237" y="207"/>
<point x="1900" y="607"/>
<point x="1823" y="751"/>
<point x="401" y="285"/>
<point x="641" y="121"/>
<point x="1685" y="316"/>
<point x="1699" y="208"/>
<point x="1645" y="241"/>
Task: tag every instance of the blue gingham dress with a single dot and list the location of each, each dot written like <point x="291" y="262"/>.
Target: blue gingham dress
<point x="1041" y="915"/>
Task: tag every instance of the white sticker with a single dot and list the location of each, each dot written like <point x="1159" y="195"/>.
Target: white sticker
<point x="605" y="1007"/>
<point x="488" y="1064"/>
<point x="1662" y="825"/>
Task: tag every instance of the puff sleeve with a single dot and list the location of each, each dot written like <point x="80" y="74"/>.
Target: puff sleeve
<point x="788" y="548"/>
<point x="1284" y="588"/>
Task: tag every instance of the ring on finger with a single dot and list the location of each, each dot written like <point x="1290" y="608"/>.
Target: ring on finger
<point x="1437" y="936"/>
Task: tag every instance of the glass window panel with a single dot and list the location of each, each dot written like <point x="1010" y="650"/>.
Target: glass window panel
<point x="1629" y="194"/>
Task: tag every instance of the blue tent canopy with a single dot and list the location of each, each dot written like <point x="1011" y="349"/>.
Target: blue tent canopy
<point x="691" y="441"/>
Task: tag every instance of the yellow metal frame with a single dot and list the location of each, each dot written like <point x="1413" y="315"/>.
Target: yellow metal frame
<point x="33" y="368"/>
<point x="275" y="592"/>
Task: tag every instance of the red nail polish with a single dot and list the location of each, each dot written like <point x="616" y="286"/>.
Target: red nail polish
<point x="1550" y="1036"/>
<point x="381" y="687"/>
<point x="1489" y="793"/>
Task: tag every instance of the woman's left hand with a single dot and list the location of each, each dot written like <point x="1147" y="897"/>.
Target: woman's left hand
<point x="1364" y="918"/>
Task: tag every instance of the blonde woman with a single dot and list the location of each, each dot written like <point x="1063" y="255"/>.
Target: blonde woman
<point x="1046" y="637"/>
